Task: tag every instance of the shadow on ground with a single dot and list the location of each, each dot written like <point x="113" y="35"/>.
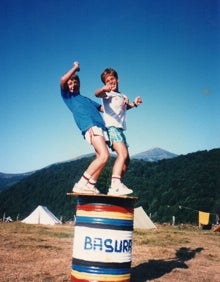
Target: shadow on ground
<point x="153" y="269"/>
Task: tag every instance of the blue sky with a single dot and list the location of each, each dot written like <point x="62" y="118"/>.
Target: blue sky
<point x="168" y="52"/>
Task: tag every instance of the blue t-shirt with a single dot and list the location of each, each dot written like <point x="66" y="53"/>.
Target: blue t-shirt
<point x="84" y="110"/>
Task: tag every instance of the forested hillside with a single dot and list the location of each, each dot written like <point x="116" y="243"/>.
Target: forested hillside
<point x="8" y="179"/>
<point x="177" y="187"/>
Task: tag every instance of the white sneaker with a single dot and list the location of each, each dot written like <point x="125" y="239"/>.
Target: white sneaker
<point x="84" y="189"/>
<point x="120" y="190"/>
<point x="93" y="189"/>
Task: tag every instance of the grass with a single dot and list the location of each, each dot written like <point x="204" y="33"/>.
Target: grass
<point x="174" y="254"/>
<point x="35" y="253"/>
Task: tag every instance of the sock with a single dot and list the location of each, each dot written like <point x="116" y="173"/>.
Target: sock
<point x="115" y="180"/>
<point x="91" y="183"/>
<point x="84" y="179"/>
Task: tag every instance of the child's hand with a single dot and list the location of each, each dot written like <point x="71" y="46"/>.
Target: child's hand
<point x="76" y="66"/>
<point x="106" y="88"/>
<point x="138" y="100"/>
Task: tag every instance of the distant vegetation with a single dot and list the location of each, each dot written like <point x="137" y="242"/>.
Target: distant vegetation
<point x="8" y="179"/>
<point x="177" y="187"/>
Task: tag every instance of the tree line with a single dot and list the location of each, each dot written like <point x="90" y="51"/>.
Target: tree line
<point x="178" y="187"/>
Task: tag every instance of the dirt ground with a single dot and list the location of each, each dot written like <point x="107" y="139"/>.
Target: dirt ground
<point x="34" y="253"/>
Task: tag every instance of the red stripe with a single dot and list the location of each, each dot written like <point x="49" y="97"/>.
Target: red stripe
<point x="104" y="208"/>
<point x="74" y="279"/>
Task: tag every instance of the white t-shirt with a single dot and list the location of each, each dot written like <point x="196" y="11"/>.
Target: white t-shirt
<point x="114" y="109"/>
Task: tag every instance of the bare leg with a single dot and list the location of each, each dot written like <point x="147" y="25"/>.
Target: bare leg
<point x="102" y="157"/>
<point x="122" y="160"/>
<point x="119" y="168"/>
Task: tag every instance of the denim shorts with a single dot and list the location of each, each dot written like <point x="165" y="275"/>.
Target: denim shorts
<point x="116" y="134"/>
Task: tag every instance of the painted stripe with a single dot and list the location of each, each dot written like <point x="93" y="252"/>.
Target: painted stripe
<point x="106" y="226"/>
<point x="123" y="267"/>
<point x="103" y="207"/>
<point x="106" y="221"/>
<point x="100" y="270"/>
<point x="85" y="277"/>
<point x="127" y="216"/>
<point x="126" y="203"/>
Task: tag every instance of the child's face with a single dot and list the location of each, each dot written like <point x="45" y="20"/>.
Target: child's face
<point x="73" y="85"/>
<point x="112" y="82"/>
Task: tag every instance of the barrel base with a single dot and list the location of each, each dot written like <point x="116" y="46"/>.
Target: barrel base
<point x="84" y="277"/>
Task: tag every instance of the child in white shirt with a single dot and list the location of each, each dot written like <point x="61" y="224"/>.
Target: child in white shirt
<point x="115" y="105"/>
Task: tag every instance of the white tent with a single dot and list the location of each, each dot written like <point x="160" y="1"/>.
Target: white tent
<point x="41" y="215"/>
<point x="142" y="220"/>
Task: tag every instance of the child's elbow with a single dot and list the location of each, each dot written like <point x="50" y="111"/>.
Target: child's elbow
<point x="62" y="82"/>
<point x="97" y="93"/>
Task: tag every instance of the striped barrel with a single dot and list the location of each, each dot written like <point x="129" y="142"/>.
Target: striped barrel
<point x="102" y="239"/>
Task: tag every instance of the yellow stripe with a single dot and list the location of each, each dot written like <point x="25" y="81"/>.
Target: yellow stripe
<point x="101" y="277"/>
<point x="112" y="215"/>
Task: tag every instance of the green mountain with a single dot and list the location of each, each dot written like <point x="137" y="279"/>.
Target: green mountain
<point x="8" y="179"/>
<point x="155" y="154"/>
<point x="178" y="187"/>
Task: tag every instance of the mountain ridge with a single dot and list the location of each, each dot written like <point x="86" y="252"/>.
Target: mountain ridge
<point x="154" y="154"/>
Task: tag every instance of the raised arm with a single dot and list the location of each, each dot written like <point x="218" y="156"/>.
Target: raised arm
<point x="68" y="74"/>
<point x="101" y="93"/>
<point x="137" y="102"/>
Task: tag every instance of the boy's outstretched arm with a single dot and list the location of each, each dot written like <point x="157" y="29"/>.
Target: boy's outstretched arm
<point x="101" y="93"/>
<point x="68" y="74"/>
<point x="137" y="102"/>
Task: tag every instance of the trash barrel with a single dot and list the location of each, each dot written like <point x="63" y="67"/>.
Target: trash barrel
<point x="102" y="244"/>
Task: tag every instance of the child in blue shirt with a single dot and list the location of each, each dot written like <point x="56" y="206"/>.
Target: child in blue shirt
<point x="86" y="114"/>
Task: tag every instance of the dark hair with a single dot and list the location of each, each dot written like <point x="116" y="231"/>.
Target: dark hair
<point x="108" y="71"/>
<point x="73" y="77"/>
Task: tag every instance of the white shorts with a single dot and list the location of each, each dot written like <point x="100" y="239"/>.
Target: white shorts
<point x="95" y="131"/>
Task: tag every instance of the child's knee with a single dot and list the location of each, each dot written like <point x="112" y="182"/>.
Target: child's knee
<point x="104" y="157"/>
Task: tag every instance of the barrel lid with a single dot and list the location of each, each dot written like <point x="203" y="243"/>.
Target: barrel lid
<point x="101" y="195"/>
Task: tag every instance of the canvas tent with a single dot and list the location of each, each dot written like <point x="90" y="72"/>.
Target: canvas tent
<point x="142" y="220"/>
<point x="41" y="215"/>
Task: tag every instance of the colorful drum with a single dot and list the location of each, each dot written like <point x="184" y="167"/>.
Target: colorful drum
<point x="102" y="239"/>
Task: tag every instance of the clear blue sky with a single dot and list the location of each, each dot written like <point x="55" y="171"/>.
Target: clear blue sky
<point x="168" y="52"/>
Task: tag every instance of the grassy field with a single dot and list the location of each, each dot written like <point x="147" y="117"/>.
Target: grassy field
<point x="34" y="253"/>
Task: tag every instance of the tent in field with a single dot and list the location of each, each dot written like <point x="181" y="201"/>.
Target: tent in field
<point x="142" y="220"/>
<point x="41" y="215"/>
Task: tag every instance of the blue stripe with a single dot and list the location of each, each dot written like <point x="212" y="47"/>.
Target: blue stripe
<point x="105" y="221"/>
<point x="100" y="270"/>
<point x="106" y="226"/>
